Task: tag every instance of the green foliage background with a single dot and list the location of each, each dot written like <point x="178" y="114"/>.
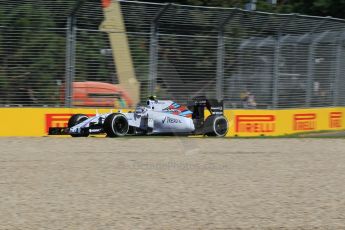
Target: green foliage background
<point x="333" y="8"/>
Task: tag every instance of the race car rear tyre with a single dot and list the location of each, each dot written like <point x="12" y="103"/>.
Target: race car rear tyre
<point x="216" y="125"/>
<point x="116" y="125"/>
<point x="77" y="119"/>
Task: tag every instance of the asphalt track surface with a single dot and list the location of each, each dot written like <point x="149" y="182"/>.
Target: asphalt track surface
<point x="172" y="183"/>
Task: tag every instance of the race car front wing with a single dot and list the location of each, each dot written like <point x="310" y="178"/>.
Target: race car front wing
<point x="66" y="131"/>
<point x="58" y="131"/>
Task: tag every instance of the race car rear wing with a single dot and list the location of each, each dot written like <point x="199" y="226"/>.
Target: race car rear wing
<point x="216" y="107"/>
<point x="198" y="105"/>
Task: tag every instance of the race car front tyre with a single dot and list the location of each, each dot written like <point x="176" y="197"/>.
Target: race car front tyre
<point x="77" y="119"/>
<point x="216" y="125"/>
<point x="116" y="125"/>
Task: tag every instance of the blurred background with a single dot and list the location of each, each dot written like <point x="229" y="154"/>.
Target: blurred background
<point x="251" y="54"/>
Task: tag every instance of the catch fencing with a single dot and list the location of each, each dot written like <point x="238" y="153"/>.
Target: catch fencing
<point x="177" y="52"/>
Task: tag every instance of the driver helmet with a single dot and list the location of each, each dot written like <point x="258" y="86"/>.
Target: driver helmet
<point x="151" y="101"/>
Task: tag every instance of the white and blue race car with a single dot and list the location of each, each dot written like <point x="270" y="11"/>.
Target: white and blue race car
<point x="158" y="117"/>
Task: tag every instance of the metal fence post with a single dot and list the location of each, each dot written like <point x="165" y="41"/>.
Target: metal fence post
<point x="279" y="41"/>
<point x="153" y="66"/>
<point x="311" y="63"/>
<point x="68" y="63"/>
<point x="338" y="70"/>
<point x="153" y="58"/>
<point x="221" y="56"/>
<point x="310" y="74"/>
<point x="70" y="59"/>
<point x="220" y="66"/>
<point x="71" y="36"/>
<point x="276" y="72"/>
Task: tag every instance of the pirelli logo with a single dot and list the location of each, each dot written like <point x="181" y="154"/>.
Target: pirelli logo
<point x="335" y="119"/>
<point x="255" y="123"/>
<point x="304" y="122"/>
<point x="57" y="120"/>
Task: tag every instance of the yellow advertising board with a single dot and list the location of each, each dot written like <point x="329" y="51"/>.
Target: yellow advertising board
<point x="246" y="123"/>
<point x="36" y="121"/>
<point x="284" y="122"/>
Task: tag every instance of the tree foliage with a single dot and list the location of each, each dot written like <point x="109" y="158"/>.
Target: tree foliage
<point x="333" y="8"/>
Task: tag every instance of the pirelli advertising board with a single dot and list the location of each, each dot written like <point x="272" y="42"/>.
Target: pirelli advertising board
<point x="284" y="122"/>
<point x="243" y="123"/>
